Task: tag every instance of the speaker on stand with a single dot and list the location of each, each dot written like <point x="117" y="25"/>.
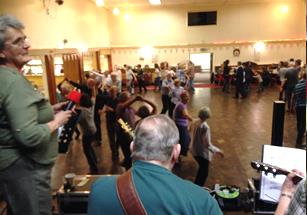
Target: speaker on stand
<point x="278" y="123"/>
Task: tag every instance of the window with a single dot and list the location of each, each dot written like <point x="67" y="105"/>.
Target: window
<point x="202" y="18"/>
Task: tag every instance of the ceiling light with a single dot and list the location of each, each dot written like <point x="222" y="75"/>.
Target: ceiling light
<point x="259" y="46"/>
<point x="284" y="8"/>
<point x="100" y="3"/>
<point x="116" y="11"/>
<point x="127" y="16"/>
<point x="155" y="2"/>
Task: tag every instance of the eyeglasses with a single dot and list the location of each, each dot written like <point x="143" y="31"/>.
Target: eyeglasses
<point x="21" y="41"/>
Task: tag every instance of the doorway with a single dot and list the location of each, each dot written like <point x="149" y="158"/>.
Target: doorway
<point x="203" y="60"/>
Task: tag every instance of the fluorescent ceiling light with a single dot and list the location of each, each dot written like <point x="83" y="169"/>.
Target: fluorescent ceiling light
<point x="99" y="3"/>
<point x="116" y="11"/>
<point x="155" y="2"/>
<point x="284" y="8"/>
<point x="127" y="16"/>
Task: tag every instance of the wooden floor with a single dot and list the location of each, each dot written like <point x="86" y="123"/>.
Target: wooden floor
<point x="240" y="127"/>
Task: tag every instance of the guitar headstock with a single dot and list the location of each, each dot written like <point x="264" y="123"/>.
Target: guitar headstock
<point x="267" y="168"/>
<point x="125" y="126"/>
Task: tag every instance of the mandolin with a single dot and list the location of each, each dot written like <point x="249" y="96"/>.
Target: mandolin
<point x="267" y="168"/>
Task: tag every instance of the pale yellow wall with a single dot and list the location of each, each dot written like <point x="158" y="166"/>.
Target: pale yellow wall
<point x="81" y="22"/>
<point x="236" y="22"/>
<point x="78" y="21"/>
<point x="273" y="53"/>
<point x="253" y="21"/>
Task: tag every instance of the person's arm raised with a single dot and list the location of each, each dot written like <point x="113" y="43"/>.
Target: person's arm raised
<point x="154" y="107"/>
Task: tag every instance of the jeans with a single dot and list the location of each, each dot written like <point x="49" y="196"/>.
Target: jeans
<point x="26" y="187"/>
<point x="191" y="84"/>
<point x="184" y="139"/>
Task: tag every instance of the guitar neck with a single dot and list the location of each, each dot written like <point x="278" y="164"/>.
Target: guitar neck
<point x="267" y="168"/>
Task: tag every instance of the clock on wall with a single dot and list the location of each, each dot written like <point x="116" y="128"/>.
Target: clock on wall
<point x="236" y="52"/>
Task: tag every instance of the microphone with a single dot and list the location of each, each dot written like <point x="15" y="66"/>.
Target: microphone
<point x="74" y="98"/>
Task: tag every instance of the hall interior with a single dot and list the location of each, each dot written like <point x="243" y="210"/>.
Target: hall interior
<point x="98" y="40"/>
<point x="239" y="127"/>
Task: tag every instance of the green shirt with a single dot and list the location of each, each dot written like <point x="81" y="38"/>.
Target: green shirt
<point x="160" y="191"/>
<point x="24" y="113"/>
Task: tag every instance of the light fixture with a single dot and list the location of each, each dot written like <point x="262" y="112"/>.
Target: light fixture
<point x="259" y="46"/>
<point x="116" y="11"/>
<point x="127" y="16"/>
<point x="284" y="8"/>
<point x="100" y="3"/>
<point x="155" y="2"/>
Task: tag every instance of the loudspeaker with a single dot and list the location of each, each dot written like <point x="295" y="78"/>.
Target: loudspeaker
<point x="278" y="123"/>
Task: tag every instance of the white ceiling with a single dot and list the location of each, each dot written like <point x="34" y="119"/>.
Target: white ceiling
<point x="144" y="3"/>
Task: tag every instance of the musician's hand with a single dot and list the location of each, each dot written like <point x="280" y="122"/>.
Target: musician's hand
<point x="59" y="106"/>
<point x="289" y="186"/>
<point x="62" y="117"/>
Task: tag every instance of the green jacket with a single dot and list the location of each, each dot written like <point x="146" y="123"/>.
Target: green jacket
<point x="24" y="113"/>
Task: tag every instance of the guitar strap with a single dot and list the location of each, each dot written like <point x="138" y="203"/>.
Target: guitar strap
<point x="128" y="196"/>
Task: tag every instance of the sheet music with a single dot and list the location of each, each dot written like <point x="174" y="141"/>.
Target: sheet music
<point x="283" y="157"/>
